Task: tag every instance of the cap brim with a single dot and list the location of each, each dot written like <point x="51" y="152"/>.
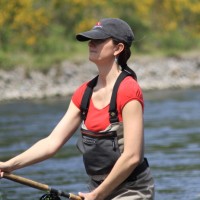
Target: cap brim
<point x="92" y="34"/>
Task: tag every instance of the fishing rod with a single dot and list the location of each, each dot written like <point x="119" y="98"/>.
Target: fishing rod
<point x="53" y="193"/>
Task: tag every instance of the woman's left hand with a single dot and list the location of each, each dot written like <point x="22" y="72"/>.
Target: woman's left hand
<point x="90" y="196"/>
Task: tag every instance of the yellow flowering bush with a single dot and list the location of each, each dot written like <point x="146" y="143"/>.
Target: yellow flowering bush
<point x="22" y="20"/>
<point x="29" y="23"/>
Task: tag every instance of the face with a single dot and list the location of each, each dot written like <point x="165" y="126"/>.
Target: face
<point x="101" y="50"/>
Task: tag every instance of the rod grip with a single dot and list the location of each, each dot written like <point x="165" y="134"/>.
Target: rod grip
<point x="26" y="181"/>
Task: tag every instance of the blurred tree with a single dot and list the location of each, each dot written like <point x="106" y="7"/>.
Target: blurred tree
<point x="22" y="22"/>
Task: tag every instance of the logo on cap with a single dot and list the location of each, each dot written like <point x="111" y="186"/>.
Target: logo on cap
<point x="98" y="25"/>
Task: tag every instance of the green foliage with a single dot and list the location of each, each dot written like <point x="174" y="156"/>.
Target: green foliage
<point x="46" y="29"/>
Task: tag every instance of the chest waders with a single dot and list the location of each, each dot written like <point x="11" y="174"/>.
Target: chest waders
<point x="102" y="149"/>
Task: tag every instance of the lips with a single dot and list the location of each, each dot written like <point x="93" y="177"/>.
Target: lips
<point x="92" y="50"/>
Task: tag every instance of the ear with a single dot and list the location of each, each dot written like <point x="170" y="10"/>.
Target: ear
<point x="118" y="49"/>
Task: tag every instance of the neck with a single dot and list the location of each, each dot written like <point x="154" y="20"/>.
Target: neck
<point x="108" y="74"/>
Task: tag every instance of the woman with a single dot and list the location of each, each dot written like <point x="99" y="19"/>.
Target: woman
<point x="111" y="112"/>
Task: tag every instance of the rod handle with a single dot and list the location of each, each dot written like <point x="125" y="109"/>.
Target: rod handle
<point x="26" y="181"/>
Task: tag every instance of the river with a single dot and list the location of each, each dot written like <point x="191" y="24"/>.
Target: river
<point x="172" y="145"/>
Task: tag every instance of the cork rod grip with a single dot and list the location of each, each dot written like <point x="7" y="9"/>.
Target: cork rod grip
<point x="26" y="181"/>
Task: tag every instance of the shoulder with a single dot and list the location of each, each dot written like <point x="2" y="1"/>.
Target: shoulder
<point x="78" y="94"/>
<point x="129" y="89"/>
<point x="129" y="86"/>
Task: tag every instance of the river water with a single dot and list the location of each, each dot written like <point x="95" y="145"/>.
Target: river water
<point x="172" y="135"/>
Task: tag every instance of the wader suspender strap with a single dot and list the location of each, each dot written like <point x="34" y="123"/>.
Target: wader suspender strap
<point x="113" y="105"/>
<point x="86" y="97"/>
<point x="113" y="102"/>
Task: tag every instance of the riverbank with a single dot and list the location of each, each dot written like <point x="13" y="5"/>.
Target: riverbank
<point x="153" y="73"/>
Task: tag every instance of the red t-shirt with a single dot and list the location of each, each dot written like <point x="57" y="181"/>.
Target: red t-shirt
<point x="98" y="119"/>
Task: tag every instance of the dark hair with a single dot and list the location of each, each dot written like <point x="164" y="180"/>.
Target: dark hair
<point x="123" y="58"/>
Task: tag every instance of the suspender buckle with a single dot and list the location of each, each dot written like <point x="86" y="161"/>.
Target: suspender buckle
<point x="113" y="116"/>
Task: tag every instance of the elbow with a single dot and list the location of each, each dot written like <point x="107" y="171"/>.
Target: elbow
<point x="53" y="147"/>
<point x="134" y="161"/>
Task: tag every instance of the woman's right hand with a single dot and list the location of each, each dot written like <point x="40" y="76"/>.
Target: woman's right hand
<point x="4" y="168"/>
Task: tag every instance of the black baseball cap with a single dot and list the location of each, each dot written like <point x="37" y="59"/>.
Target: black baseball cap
<point x="109" y="28"/>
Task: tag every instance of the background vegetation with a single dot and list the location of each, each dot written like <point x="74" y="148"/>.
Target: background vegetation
<point x="41" y="33"/>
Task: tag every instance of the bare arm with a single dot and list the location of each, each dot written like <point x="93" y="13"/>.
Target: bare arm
<point x="47" y="147"/>
<point x="132" y="155"/>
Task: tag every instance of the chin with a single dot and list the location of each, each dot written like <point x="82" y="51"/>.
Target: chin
<point x="92" y="59"/>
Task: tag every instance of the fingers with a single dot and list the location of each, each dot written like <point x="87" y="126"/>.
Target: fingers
<point x="2" y="169"/>
<point x="5" y="167"/>
<point x="1" y="174"/>
<point x="83" y="195"/>
<point x="86" y="196"/>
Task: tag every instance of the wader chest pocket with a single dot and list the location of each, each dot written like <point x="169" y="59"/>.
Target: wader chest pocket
<point x="100" y="152"/>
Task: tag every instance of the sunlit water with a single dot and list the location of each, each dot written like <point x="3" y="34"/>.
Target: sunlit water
<point x="172" y="135"/>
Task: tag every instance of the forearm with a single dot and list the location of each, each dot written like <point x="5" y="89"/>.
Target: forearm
<point x="121" y="170"/>
<point x="48" y="146"/>
<point x="38" y="152"/>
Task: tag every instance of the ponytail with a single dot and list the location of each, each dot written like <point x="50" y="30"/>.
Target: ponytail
<point x="129" y="70"/>
<point x="123" y="58"/>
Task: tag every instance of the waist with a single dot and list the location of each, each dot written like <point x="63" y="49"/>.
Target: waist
<point x="138" y="170"/>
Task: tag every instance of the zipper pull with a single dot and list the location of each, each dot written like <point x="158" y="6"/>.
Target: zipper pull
<point x="113" y="144"/>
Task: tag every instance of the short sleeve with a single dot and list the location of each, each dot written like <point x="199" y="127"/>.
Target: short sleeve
<point x="78" y="94"/>
<point x="129" y="90"/>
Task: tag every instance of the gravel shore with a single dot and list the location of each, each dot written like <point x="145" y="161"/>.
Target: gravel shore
<point x="153" y="73"/>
